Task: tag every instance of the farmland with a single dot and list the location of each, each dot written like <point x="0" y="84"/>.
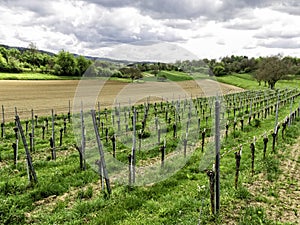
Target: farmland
<point x="67" y="194"/>
<point x="56" y="94"/>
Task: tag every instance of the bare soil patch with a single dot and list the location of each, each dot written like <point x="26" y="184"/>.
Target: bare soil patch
<point x="42" y="96"/>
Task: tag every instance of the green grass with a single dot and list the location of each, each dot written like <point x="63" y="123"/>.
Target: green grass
<point x="181" y="199"/>
<point x="171" y="75"/>
<point x="246" y="81"/>
<point x="34" y="76"/>
<point x="242" y="81"/>
<point x="175" y="75"/>
<point x="126" y="80"/>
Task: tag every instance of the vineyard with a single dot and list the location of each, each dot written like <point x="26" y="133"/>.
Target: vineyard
<point x="149" y="162"/>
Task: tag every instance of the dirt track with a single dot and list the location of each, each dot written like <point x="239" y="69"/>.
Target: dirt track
<point x="42" y="96"/>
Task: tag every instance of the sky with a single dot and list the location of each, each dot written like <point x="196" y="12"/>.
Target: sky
<point x="154" y="28"/>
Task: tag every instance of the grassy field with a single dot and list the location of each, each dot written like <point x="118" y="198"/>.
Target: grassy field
<point x="246" y="81"/>
<point x="67" y="195"/>
<point x="170" y="75"/>
<point x="34" y="76"/>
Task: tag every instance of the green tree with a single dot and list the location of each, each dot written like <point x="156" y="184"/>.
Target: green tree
<point x="31" y="55"/>
<point x="271" y="69"/>
<point x="3" y="64"/>
<point x="82" y="64"/>
<point x="155" y="69"/>
<point x="135" y="73"/>
<point x="92" y="71"/>
<point x="219" y="70"/>
<point x="4" y="53"/>
<point x="131" y="72"/>
<point x="65" y="64"/>
<point x="48" y="63"/>
<point x="14" y="53"/>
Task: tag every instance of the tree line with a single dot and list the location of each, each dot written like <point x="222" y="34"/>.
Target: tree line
<point x="243" y="64"/>
<point x="264" y="69"/>
<point x="13" y="60"/>
<point x="268" y="69"/>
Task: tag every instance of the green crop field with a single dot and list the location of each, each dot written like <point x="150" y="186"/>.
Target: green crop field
<point x="34" y="76"/>
<point x="246" y="81"/>
<point x="65" y="193"/>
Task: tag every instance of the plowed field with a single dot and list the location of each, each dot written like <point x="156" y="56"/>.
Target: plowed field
<point x="42" y="96"/>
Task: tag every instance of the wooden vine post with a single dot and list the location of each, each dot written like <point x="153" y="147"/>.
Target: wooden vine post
<point x="61" y="136"/>
<point x="30" y="142"/>
<point x="32" y="132"/>
<point x="43" y="132"/>
<point x="46" y="124"/>
<point x="174" y="130"/>
<point x="226" y="130"/>
<point x="252" y="147"/>
<point x="283" y="128"/>
<point x="242" y="124"/>
<point x="114" y="145"/>
<point x="238" y="156"/>
<point x="234" y="127"/>
<point x="99" y="114"/>
<point x="265" y="140"/>
<point x="31" y="172"/>
<point x="65" y="126"/>
<point x="211" y="175"/>
<point x="83" y="141"/>
<point x="16" y="146"/>
<point x="69" y="112"/>
<point x="3" y="123"/>
<point x="51" y="147"/>
<point x="158" y="135"/>
<point x="185" y="145"/>
<point x="53" y="137"/>
<point x="133" y="150"/>
<point x="36" y="120"/>
<point x="78" y="148"/>
<point x="163" y="153"/>
<point x="101" y="153"/>
<point x="274" y="134"/>
<point x="203" y="139"/>
<point x="130" y="170"/>
<point x="218" y="145"/>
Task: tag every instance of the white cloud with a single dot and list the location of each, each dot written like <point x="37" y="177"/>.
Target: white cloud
<point x="281" y="43"/>
<point x="207" y="28"/>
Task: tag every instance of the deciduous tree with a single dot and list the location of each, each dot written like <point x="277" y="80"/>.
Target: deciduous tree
<point x="271" y="69"/>
<point x="65" y="64"/>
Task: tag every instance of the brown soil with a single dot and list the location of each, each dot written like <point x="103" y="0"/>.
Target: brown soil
<point x="42" y="96"/>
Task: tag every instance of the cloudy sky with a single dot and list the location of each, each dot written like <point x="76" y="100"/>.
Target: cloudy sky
<point x="204" y="28"/>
